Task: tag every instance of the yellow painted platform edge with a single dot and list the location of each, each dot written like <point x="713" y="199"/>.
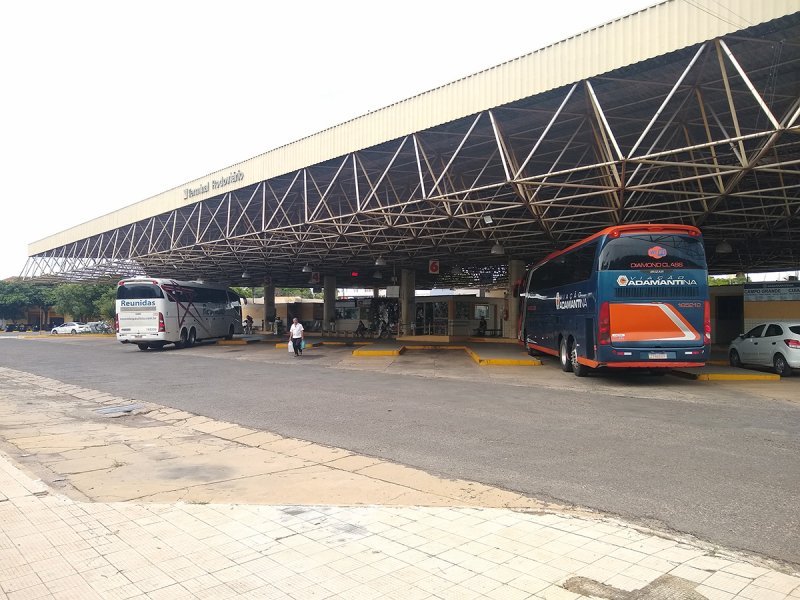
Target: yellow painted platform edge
<point x="727" y="376"/>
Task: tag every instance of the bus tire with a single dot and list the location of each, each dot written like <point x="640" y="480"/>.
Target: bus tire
<point x="192" y="337"/>
<point x="184" y="337"/>
<point x="230" y="333"/>
<point x="577" y="368"/>
<point x="564" y="356"/>
<point x="142" y="347"/>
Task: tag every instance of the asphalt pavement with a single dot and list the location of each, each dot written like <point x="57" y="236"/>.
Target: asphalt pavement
<point x="715" y="461"/>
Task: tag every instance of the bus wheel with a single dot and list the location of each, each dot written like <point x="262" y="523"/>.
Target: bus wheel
<point x="183" y="340"/>
<point x="142" y="347"/>
<point x="192" y="337"/>
<point x="564" y="356"/>
<point x="230" y="333"/>
<point x="157" y="346"/>
<point x="577" y="368"/>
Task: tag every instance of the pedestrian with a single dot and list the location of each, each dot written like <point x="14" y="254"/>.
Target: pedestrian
<point x="248" y="328"/>
<point x="296" y="336"/>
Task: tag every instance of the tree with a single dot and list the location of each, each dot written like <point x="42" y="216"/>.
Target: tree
<point x="106" y="304"/>
<point x="78" y="299"/>
<point x="301" y="292"/>
<point x="736" y="280"/>
<point x="16" y="296"/>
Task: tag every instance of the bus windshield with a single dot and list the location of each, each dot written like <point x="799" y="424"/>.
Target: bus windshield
<point x="139" y="291"/>
<point x="652" y="251"/>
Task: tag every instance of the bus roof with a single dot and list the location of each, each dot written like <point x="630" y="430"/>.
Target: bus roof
<point x="162" y="281"/>
<point x="617" y="230"/>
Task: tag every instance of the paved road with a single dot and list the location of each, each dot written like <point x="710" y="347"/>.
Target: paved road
<point x="720" y="465"/>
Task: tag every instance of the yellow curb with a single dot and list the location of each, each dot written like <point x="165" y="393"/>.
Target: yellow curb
<point x="363" y="352"/>
<point x="484" y="362"/>
<point x="491" y="340"/>
<point x="239" y="342"/>
<point x="727" y="376"/>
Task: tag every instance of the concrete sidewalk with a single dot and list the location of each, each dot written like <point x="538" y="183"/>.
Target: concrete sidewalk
<point x="336" y="524"/>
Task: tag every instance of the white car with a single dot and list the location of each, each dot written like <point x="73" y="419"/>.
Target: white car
<point x="775" y="344"/>
<point x="71" y="327"/>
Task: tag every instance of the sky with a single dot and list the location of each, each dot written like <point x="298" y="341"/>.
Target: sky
<point x="107" y="103"/>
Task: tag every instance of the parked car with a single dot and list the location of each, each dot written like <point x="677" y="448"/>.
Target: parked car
<point x="10" y="327"/>
<point x="22" y="327"/>
<point x="71" y="327"/>
<point x="775" y="344"/>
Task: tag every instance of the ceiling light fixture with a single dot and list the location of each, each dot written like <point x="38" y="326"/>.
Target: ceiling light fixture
<point x="488" y="219"/>
<point x="245" y="275"/>
<point x="306" y="269"/>
<point x="497" y="249"/>
<point x="380" y="262"/>
<point x="723" y="247"/>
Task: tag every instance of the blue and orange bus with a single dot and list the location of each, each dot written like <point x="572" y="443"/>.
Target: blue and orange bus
<point x="629" y="296"/>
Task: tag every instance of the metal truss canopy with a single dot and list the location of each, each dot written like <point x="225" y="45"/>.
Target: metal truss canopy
<point x="708" y="136"/>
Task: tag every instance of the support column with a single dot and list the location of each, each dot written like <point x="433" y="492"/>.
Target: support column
<point x="269" y="305"/>
<point x="329" y="299"/>
<point x="516" y="271"/>
<point x="408" y="309"/>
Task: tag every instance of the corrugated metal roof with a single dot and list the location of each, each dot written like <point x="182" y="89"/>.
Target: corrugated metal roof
<point x="662" y="28"/>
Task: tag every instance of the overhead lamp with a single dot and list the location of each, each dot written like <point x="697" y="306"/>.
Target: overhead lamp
<point x="306" y="269"/>
<point x="245" y="275"/>
<point x="377" y="275"/>
<point x="380" y="262"/>
<point x="488" y="219"/>
<point x="497" y="249"/>
<point x="723" y="247"/>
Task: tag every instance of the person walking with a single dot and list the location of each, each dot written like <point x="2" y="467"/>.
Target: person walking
<point x="248" y="325"/>
<point x="296" y="336"/>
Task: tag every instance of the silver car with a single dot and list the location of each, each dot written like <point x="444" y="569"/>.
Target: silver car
<point x="773" y="344"/>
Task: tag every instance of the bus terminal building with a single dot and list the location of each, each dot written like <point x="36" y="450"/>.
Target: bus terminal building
<point x="675" y="114"/>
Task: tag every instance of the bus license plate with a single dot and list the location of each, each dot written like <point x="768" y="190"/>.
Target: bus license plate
<point x="657" y="355"/>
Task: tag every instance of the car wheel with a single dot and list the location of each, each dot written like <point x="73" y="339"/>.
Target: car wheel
<point x="54" y="332"/>
<point x="73" y="332"/>
<point x="781" y="366"/>
<point x="577" y="368"/>
<point x="192" y="337"/>
<point x="142" y="347"/>
<point x="734" y="359"/>
<point x="564" y="356"/>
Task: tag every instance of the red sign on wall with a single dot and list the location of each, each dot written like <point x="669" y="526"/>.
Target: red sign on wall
<point x="433" y="266"/>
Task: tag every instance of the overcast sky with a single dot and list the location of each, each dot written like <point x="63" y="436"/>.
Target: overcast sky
<point x="105" y="103"/>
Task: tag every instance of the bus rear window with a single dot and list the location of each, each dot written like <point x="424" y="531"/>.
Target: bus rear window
<point x="138" y="291"/>
<point x="653" y="251"/>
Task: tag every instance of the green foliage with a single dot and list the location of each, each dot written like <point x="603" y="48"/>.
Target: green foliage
<point x="16" y="296"/>
<point x="301" y="292"/>
<point x="106" y="305"/>
<point x="82" y="300"/>
<point x="737" y="280"/>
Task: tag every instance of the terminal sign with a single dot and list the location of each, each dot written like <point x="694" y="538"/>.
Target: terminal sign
<point x="214" y="184"/>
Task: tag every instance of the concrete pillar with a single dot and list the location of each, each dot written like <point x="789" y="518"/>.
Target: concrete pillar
<point x="516" y="271"/>
<point x="408" y="309"/>
<point x="269" y="304"/>
<point x="329" y="299"/>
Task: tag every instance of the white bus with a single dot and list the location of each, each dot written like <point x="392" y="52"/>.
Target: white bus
<point x="154" y="312"/>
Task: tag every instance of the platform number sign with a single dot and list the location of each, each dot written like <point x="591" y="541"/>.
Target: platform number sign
<point x="433" y="266"/>
<point x="314" y="277"/>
